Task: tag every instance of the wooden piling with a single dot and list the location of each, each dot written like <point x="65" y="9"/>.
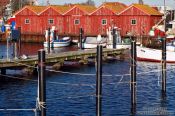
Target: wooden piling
<point x="48" y="41"/>
<point x="164" y="65"/>
<point x="42" y="82"/>
<point x="133" y="76"/>
<point x="80" y="38"/>
<point x="114" y="38"/>
<point x="99" y="80"/>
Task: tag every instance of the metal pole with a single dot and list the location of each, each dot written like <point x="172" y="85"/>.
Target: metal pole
<point x="42" y="82"/>
<point x="133" y="76"/>
<point x="99" y="80"/>
<point x="48" y="43"/>
<point x="114" y="38"/>
<point x="7" y="54"/>
<point x="16" y="50"/>
<point x="80" y="39"/>
<point x="19" y="42"/>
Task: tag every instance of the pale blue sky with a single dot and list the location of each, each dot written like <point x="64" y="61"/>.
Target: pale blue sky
<point x="98" y="2"/>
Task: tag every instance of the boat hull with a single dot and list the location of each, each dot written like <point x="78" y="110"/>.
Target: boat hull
<point x="119" y="46"/>
<point x="57" y="44"/>
<point x="154" y="55"/>
<point x="91" y="42"/>
<point x="91" y="45"/>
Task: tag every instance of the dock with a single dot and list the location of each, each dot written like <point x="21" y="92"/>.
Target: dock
<point x="59" y="58"/>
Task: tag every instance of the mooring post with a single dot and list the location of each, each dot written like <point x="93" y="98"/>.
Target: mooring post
<point x="48" y="41"/>
<point x="133" y="76"/>
<point x="114" y="38"/>
<point x="80" y="38"/>
<point x="19" y="42"/>
<point x="99" y="80"/>
<point x="42" y="82"/>
<point x="164" y="65"/>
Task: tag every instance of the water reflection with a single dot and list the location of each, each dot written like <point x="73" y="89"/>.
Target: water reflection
<point x="29" y="49"/>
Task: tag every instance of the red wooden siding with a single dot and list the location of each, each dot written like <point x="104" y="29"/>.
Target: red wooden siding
<point x="144" y="21"/>
<point x="76" y="14"/>
<point x="33" y="21"/>
<point x="98" y="16"/>
<point x="57" y="18"/>
<point x="90" y="19"/>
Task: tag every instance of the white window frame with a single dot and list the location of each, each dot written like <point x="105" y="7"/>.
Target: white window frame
<point x="132" y="21"/>
<point x="27" y="21"/>
<point x="75" y="22"/>
<point x="104" y="21"/>
<point x="51" y="21"/>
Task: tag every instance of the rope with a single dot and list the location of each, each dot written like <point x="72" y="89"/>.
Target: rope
<point x="17" y="109"/>
<point x="13" y="77"/>
<point x="72" y="97"/>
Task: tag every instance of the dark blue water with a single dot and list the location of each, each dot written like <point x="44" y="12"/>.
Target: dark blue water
<point x="74" y="95"/>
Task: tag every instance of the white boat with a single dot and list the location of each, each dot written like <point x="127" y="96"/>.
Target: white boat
<point x="56" y="42"/>
<point x="120" y="43"/>
<point x="65" y="41"/>
<point x="170" y="46"/>
<point x="154" y="55"/>
<point x="92" y="42"/>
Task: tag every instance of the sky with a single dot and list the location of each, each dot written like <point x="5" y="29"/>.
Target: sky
<point x="170" y="3"/>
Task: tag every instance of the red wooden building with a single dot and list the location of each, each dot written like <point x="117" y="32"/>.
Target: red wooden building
<point x="67" y="19"/>
<point x="27" y="18"/>
<point x="138" y="19"/>
<point x="77" y="17"/>
<point x="105" y="16"/>
<point x="53" y="16"/>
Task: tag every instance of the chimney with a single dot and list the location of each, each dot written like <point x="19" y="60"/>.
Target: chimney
<point x="141" y="2"/>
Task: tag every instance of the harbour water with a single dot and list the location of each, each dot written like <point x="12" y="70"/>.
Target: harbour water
<point x="72" y="91"/>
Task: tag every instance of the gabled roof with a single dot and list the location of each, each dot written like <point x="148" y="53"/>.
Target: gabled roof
<point x="144" y="8"/>
<point x="147" y="9"/>
<point x="115" y="7"/>
<point x="60" y="8"/>
<point x="86" y="8"/>
<point x="34" y="9"/>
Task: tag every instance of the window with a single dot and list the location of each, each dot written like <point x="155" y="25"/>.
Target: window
<point x="104" y="22"/>
<point x="27" y="21"/>
<point x="76" y="21"/>
<point x="133" y="22"/>
<point x="51" y="21"/>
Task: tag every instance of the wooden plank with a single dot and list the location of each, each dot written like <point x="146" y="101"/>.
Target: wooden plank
<point x="58" y="57"/>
